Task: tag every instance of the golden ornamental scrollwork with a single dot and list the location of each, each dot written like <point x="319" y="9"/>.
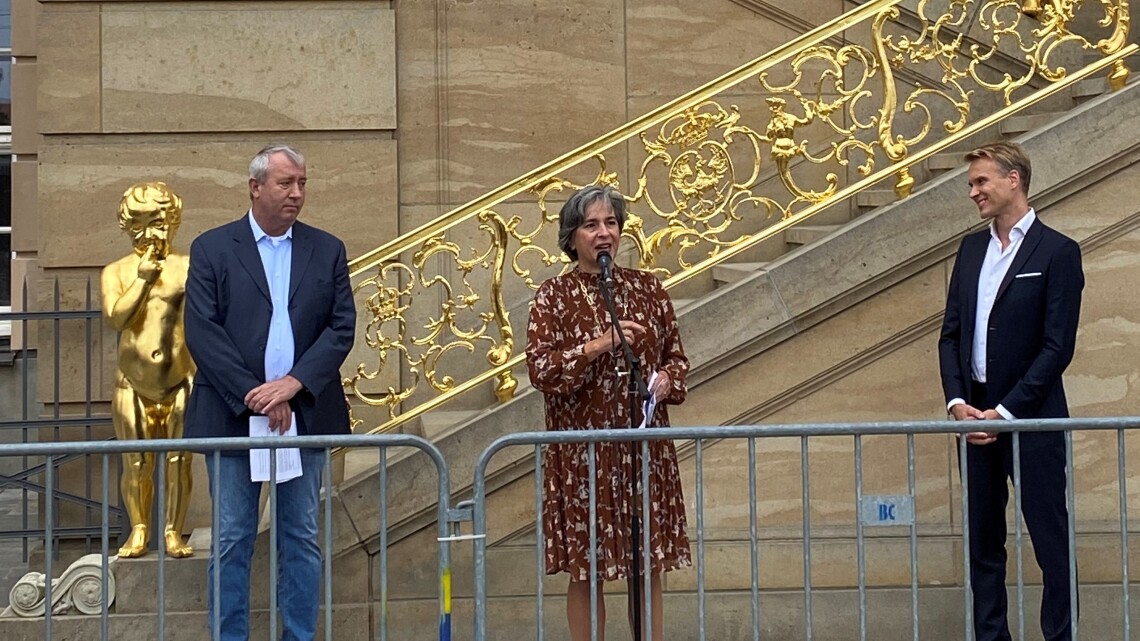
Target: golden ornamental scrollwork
<point x="833" y="101"/>
<point x="1056" y="17"/>
<point x="712" y="173"/>
<point x="706" y="162"/>
<point x="459" y="322"/>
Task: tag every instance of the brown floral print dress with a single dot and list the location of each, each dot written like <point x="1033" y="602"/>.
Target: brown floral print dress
<point x="568" y="311"/>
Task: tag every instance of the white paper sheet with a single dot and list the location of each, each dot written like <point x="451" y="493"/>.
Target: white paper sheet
<point x="650" y="404"/>
<point x="288" y="458"/>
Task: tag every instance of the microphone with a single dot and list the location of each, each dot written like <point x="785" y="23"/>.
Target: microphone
<point x="606" y="263"/>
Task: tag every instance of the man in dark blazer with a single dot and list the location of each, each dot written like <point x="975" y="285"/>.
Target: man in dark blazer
<point x="269" y="321"/>
<point x="1008" y="335"/>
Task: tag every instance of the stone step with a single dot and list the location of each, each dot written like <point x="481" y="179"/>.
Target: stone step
<point x="680" y="303"/>
<point x="727" y="615"/>
<point x="136" y="580"/>
<point x="1090" y="88"/>
<point x="945" y="161"/>
<point x="808" y="234"/>
<point x="350" y="623"/>
<point x="728" y="273"/>
<point x="1015" y="125"/>
<point x="1090" y="56"/>
<point x="874" y="198"/>
<point x="440" y="423"/>
<point x="432" y="426"/>
<point x="357" y="461"/>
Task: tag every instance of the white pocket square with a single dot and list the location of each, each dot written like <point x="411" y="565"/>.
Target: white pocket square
<point x="1028" y="275"/>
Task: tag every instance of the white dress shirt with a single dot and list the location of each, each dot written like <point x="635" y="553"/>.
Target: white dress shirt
<point x="277" y="260"/>
<point x="994" y="268"/>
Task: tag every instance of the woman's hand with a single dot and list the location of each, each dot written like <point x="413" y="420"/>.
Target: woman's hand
<point x="609" y="340"/>
<point x="662" y="385"/>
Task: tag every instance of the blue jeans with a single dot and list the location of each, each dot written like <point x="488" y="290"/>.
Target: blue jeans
<point x="298" y="555"/>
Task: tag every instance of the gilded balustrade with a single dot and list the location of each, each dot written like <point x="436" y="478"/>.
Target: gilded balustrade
<point x="857" y="100"/>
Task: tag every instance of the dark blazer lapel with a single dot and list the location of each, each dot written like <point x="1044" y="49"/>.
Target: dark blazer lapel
<point x="249" y="257"/>
<point x="971" y="272"/>
<point x="1028" y="246"/>
<point x="302" y="252"/>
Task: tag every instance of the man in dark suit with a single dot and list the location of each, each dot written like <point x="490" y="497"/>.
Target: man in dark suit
<point x="1009" y="332"/>
<point x="269" y="321"/>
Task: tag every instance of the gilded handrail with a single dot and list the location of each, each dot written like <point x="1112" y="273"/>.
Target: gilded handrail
<point x="703" y="191"/>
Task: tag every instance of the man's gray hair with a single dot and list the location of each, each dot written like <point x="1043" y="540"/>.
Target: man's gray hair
<point x="259" y="166"/>
<point x="573" y="213"/>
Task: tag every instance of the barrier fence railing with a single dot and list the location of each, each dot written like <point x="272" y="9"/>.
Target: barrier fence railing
<point x="92" y="601"/>
<point x="868" y="510"/>
<point x="58" y="401"/>
<point x="901" y="508"/>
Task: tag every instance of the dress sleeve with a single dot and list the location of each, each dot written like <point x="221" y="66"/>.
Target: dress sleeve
<point x="554" y="366"/>
<point x="673" y="359"/>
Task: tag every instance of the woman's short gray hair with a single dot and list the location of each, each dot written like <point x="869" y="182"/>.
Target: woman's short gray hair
<point x="259" y="166"/>
<point x="573" y="213"/>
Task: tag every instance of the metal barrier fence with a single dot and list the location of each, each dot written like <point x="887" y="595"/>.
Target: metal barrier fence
<point x="446" y="519"/>
<point x="58" y="402"/>
<point x="702" y="435"/>
<point x="52" y="453"/>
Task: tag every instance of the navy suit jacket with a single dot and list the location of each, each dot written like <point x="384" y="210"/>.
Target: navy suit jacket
<point x="228" y="309"/>
<point x="1032" y="328"/>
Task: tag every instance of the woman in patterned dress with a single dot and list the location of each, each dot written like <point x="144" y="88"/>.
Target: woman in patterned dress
<point x="574" y="358"/>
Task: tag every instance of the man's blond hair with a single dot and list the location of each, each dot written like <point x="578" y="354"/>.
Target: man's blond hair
<point x="1009" y="156"/>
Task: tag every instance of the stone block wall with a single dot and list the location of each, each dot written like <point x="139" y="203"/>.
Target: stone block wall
<point x="111" y="93"/>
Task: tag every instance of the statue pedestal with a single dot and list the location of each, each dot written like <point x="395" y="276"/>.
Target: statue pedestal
<point x="185" y="579"/>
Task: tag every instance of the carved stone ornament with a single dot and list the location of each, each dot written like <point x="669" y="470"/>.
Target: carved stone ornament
<point x="79" y="590"/>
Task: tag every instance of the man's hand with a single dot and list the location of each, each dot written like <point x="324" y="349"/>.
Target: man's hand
<point x="992" y="415"/>
<point x="981" y="438"/>
<point x="267" y="396"/>
<point x="279" y="417"/>
<point x="964" y="412"/>
<point x="150" y="268"/>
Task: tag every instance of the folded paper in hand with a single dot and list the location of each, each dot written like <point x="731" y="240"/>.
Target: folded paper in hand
<point x="650" y="404"/>
<point x="288" y="458"/>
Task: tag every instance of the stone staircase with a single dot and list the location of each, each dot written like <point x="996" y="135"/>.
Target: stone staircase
<point x="861" y="298"/>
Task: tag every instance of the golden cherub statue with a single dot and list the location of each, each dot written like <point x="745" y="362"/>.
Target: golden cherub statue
<point x="143" y="296"/>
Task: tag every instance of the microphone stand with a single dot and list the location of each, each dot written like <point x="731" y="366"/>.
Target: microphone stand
<point x="635" y="393"/>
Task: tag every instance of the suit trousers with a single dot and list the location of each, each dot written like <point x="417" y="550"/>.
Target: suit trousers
<point x="989" y="468"/>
